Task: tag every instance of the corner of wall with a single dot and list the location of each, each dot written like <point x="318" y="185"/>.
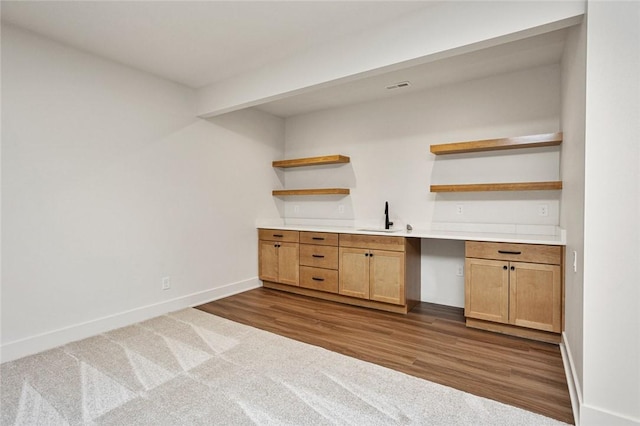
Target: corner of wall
<point x="52" y="339"/>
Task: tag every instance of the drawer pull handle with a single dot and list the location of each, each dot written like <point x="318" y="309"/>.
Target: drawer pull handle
<point x="317" y="279"/>
<point x="278" y="235"/>
<point x="509" y="252"/>
<point x="317" y="255"/>
<point x="318" y="238"/>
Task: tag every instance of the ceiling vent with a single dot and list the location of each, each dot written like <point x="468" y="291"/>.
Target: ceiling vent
<point x="399" y="85"/>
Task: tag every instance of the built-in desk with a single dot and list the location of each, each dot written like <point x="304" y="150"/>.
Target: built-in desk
<point x="513" y="281"/>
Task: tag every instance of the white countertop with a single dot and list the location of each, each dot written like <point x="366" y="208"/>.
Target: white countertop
<point x="559" y="239"/>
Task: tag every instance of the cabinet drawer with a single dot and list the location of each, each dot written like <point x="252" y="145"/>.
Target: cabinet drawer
<point x="319" y="256"/>
<point x="375" y="242"/>
<point x="319" y="238"/>
<point x="319" y="279"/>
<point x="533" y="253"/>
<point x="278" y="235"/>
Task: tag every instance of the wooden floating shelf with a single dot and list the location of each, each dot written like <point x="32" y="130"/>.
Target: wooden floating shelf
<point x="312" y="161"/>
<point x="321" y="191"/>
<point x="514" y="186"/>
<point x="533" y="141"/>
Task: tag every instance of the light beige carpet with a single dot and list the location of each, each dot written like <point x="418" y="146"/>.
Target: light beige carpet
<point x="193" y="368"/>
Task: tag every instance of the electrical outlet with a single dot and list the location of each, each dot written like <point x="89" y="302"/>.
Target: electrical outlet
<point x="296" y="209"/>
<point x="460" y="270"/>
<point x="341" y="208"/>
<point x="543" y="210"/>
<point x="459" y="209"/>
<point x="166" y="283"/>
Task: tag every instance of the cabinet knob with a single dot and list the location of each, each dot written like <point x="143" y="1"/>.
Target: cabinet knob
<point x="505" y="267"/>
<point x="513" y="268"/>
<point x="366" y="254"/>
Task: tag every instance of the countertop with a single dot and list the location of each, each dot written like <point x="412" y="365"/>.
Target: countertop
<point x="558" y="239"/>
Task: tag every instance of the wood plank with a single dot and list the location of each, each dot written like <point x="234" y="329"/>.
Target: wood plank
<point x="319" y="238"/>
<point x="509" y="186"/>
<point x="534" y="253"/>
<point x="532" y="141"/>
<point x="319" y="279"/>
<point x="319" y="256"/>
<point x="311" y="161"/>
<point x="376" y="242"/>
<point x="278" y="235"/>
<point x="430" y="342"/>
<point x="319" y="191"/>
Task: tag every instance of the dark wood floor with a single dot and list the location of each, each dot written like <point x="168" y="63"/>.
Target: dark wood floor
<point x="431" y="342"/>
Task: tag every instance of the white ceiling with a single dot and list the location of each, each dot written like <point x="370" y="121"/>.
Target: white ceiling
<point x="197" y="43"/>
<point x="531" y="52"/>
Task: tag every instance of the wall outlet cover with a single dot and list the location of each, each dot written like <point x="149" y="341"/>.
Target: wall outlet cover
<point x="166" y="283"/>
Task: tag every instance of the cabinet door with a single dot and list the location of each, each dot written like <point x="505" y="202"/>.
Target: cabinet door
<point x="268" y="261"/>
<point x="288" y="263"/>
<point x="486" y="290"/>
<point x="536" y="296"/>
<point x="354" y="272"/>
<point x="386" y="275"/>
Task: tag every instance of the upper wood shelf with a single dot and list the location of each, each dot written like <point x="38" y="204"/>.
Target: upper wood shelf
<point x="533" y="141"/>
<point x="311" y="161"/>
<point x="320" y="191"/>
<point x="511" y="186"/>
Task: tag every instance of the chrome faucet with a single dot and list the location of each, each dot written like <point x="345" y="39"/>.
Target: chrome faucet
<point x="387" y="224"/>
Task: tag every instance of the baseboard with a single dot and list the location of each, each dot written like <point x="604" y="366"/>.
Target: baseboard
<point x="584" y="414"/>
<point x="49" y="340"/>
<point x="592" y="416"/>
<point x="575" y="391"/>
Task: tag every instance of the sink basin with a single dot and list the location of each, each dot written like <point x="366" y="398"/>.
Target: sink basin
<point x="388" y="231"/>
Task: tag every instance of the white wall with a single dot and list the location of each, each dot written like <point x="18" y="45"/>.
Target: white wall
<point x="611" y="358"/>
<point x="109" y="183"/>
<point x="572" y="201"/>
<point x="388" y="142"/>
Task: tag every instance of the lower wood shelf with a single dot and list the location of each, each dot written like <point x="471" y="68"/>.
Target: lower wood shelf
<point x="509" y="186"/>
<point x="319" y="191"/>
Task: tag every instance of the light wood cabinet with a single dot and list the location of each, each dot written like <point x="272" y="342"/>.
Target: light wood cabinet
<point x="354" y="272"/>
<point x="278" y="256"/>
<point x="486" y="291"/>
<point x="386" y="276"/>
<point x="373" y="274"/>
<point x="380" y="272"/>
<point x="319" y="261"/>
<point x="514" y="288"/>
